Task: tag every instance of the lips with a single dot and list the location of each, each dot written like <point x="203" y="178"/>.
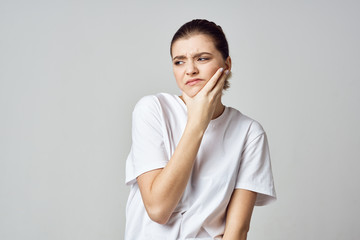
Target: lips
<point x="194" y="81"/>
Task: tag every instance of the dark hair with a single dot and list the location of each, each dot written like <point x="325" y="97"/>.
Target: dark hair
<point x="203" y="26"/>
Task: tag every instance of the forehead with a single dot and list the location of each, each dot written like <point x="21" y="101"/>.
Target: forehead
<point x="194" y="44"/>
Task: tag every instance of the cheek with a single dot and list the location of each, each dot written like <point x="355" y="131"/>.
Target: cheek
<point x="211" y="70"/>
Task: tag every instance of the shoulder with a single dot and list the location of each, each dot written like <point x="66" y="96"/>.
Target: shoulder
<point x="146" y="102"/>
<point x="155" y="106"/>
<point x="251" y="126"/>
<point x="147" y="109"/>
<point x="161" y="103"/>
<point x="242" y="119"/>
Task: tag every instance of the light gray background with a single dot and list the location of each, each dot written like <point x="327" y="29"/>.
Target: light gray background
<point x="71" y="72"/>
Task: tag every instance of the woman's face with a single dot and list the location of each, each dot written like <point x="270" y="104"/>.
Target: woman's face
<point x="195" y="61"/>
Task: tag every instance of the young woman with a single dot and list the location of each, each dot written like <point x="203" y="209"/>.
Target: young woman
<point x="196" y="167"/>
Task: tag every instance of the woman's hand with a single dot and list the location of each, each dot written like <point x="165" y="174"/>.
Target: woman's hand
<point x="202" y="106"/>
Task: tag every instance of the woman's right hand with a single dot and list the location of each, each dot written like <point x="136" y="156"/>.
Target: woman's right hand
<point x="202" y="106"/>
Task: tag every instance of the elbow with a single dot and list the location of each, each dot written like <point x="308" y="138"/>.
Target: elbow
<point x="158" y="214"/>
<point x="159" y="219"/>
<point x="243" y="231"/>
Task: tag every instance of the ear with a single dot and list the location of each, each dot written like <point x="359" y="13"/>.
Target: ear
<point x="228" y="63"/>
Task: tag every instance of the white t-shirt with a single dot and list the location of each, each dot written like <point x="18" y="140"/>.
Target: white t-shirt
<point x="233" y="154"/>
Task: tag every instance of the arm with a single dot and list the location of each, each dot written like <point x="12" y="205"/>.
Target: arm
<point x="239" y="214"/>
<point x="161" y="189"/>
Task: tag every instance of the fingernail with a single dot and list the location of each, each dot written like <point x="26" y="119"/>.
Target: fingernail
<point x="221" y="69"/>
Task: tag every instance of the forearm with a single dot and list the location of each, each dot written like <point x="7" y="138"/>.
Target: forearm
<point x="168" y="185"/>
<point x="238" y="215"/>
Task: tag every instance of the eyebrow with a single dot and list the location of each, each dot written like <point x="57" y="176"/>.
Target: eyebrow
<point x="181" y="57"/>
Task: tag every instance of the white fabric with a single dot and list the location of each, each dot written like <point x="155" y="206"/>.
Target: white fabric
<point x="233" y="154"/>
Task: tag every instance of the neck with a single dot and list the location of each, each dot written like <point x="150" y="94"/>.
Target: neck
<point x="219" y="109"/>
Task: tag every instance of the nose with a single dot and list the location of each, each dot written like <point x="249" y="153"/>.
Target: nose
<point x="191" y="68"/>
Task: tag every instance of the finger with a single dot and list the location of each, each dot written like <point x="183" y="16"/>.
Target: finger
<point x="220" y="84"/>
<point x="213" y="80"/>
<point x="216" y="93"/>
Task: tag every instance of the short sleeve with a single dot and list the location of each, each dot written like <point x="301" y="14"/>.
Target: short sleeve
<point x="255" y="173"/>
<point x="147" y="151"/>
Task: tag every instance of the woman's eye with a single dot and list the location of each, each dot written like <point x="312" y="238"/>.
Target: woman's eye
<point x="203" y="59"/>
<point x="178" y="62"/>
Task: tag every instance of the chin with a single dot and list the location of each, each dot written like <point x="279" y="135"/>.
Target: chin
<point x="192" y="92"/>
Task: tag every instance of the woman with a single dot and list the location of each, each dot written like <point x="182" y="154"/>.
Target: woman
<point x="196" y="167"/>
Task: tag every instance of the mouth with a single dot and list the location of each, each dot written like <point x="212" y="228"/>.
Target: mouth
<point x="194" y="81"/>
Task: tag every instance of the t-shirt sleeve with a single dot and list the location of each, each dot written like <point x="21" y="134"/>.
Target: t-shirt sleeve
<point x="255" y="173"/>
<point x="147" y="151"/>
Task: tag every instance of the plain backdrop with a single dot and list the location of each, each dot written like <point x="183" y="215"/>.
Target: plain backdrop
<point x="72" y="71"/>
